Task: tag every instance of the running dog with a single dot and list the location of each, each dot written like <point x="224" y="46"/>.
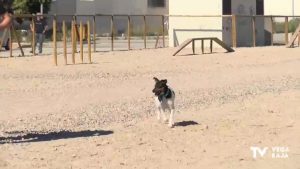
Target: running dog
<point x="164" y="99"/>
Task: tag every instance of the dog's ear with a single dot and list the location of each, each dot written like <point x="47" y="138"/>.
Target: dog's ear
<point x="164" y="81"/>
<point x="156" y="80"/>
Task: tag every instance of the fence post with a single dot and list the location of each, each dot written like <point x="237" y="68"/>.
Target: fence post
<point x="145" y="32"/>
<point x="65" y="41"/>
<point x="233" y="31"/>
<point x="33" y="36"/>
<point x="89" y="41"/>
<point x="253" y="31"/>
<point x="73" y="41"/>
<point x="272" y="31"/>
<point x="94" y="32"/>
<point x="54" y="41"/>
<point x="286" y="30"/>
<point x="128" y="32"/>
<point x="163" y="30"/>
<point x="211" y="46"/>
<point x="112" y="32"/>
<point x="75" y="33"/>
<point x="298" y="38"/>
<point x="81" y="42"/>
<point x="202" y="46"/>
<point x="10" y="42"/>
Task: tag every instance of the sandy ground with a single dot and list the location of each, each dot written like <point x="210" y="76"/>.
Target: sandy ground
<point x="102" y="115"/>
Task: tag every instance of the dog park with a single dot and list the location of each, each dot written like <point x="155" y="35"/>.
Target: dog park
<point x="90" y="99"/>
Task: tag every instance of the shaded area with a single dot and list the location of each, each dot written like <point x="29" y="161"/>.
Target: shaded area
<point x="38" y="137"/>
<point x="185" y="123"/>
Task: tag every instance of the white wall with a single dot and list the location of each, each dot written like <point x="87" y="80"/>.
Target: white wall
<point x="182" y="28"/>
<point x="281" y="7"/>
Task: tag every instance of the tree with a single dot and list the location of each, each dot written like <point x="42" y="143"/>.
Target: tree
<point x="30" y="6"/>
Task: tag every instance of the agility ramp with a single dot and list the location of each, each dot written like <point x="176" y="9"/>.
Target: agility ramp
<point x="294" y="37"/>
<point x="211" y="39"/>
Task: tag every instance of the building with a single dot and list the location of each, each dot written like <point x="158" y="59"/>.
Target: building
<point x="185" y="21"/>
<point x="112" y="7"/>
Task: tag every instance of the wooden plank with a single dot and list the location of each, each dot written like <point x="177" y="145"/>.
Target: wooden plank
<point x="17" y="38"/>
<point x="193" y="46"/>
<point x="73" y="41"/>
<point x="33" y="37"/>
<point x="286" y="30"/>
<point x="211" y="46"/>
<point x="218" y="41"/>
<point x="94" y="33"/>
<point x="223" y="45"/>
<point x="65" y="41"/>
<point x="253" y="32"/>
<point x="145" y="32"/>
<point x="299" y="39"/>
<point x="81" y="41"/>
<point x="294" y="37"/>
<point x="128" y="31"/>
<point x="89" y="41"/>
<point x="163" y="30"/>
<point x="54" y="42"/>
<point x="202" y="45"/>
<point x="183" y="45"/>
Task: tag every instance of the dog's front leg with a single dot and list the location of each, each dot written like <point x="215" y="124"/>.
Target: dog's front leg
<point x="158" y="112"/>
<point x="164" y="115"/>
<point x="171" y="119"/>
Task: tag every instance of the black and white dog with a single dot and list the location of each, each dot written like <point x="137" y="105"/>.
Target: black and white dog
<point x="164" y="99"/>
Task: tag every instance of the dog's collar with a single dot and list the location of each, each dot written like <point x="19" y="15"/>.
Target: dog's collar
<point x="168" y="94"/>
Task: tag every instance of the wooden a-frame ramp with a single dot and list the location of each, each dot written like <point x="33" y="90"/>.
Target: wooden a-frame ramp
<point x="192" y="40"/>
<point x="295" y="35"/>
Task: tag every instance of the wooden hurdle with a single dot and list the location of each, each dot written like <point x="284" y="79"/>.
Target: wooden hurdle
<point x="81" y="41"/>
<point x="64" y="30"/>
<point x="73" y="42"/>
<point x="128" y="31"/>
<point x="33" y="36"/>
<point x="89" y="41"/>
<point x="54" y="42"/>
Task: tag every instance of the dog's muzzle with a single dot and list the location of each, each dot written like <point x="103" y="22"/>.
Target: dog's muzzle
<point x="157" y="92"/>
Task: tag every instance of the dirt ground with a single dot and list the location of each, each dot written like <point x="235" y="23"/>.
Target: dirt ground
<point x="102" y="115"/>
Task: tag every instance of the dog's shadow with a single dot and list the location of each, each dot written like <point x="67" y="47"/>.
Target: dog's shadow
<point x="185" y="123"/>
<point x="39" y="137"/>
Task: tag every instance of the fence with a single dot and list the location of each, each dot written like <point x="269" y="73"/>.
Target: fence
<point x="97" y="33"/>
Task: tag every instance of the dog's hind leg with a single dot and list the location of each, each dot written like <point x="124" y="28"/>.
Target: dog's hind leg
<point x="172" y="109"/>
